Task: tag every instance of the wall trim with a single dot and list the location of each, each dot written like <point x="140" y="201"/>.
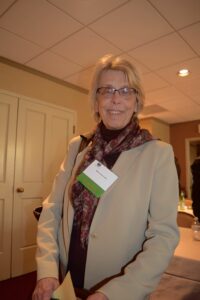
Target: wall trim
<point x="41" y="74"/>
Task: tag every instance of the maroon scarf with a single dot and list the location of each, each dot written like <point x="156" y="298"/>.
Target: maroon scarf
<point x="83" y="201"/>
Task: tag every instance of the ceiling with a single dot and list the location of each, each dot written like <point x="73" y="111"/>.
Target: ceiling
<point x="64" y="38"/>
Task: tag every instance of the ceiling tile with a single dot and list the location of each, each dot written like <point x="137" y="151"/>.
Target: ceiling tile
<point x="5" y="4"/>
<point x="170" y="73"/>
<point x="190" y="35"/>
<point x="82" y="78"/>
<point x="191" y="114"/>
<point x="182" y="105"/>
<point x="87" y="11"/>
<point x="165" y="116"/>
<point x="169" y="117"/>
<point x="54" y="65"/>
<point x="191" y="87"/>
<point x="142" y="69"/>
<point x="16" y="48"/>
<point x="135" y="23"/>
<point x="179" y="13"/>
<point x="188" y="85"/>
<point x="38" y="21"/>
<point x="196" y="98"/>
<point x="151" y="82"/>
<point x="166" y="94"/>
<point x="165" y="51"/>
<point x="152" y="109"/>
<point x="84" y="47"/>
<point x="159" y="37"/>
<point x="187" y="118"/>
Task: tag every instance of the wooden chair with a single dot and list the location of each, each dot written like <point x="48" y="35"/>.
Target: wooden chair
<point x="184" y="219"/>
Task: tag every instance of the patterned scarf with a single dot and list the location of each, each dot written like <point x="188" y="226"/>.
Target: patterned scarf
<point x="83" y="201"/>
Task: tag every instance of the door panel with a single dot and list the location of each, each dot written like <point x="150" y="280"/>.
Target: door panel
<point x="8" y="119"/>
<point x="61" y="133"/>
<point x="42" y="136"/>
<point x="33" y="143"/>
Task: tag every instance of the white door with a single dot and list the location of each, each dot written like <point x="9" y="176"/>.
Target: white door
<point x="8" y="119"/>
<point x="33" y="142"/>
<point x="42" y="136"/>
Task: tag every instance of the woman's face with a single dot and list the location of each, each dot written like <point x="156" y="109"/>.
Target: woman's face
<point x="115" y="110"/>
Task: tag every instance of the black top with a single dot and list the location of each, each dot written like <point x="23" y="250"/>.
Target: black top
<point x="77" y="254"/>
<point x="195" y="168"/>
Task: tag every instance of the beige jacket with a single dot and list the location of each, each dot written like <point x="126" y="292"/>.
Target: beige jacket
<point x="135" y="218"/>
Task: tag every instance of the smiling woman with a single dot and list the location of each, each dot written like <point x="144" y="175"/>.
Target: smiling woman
<point x="78" y="224"/>
<point x="116" y="101"/>
<point x="126" y="76"/>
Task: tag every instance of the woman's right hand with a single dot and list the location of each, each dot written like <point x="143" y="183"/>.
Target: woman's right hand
<point x="45" y="288"/>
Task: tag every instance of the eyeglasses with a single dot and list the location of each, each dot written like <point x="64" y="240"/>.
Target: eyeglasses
<point x="108" y="92"/>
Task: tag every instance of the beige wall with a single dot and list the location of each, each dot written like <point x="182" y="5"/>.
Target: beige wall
<point x="157" y="128"/>
<point x="178" y="134"/>
<point x="34" y="85"/>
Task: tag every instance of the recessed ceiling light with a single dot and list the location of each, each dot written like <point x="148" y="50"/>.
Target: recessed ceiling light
<point x="183" y="72"/>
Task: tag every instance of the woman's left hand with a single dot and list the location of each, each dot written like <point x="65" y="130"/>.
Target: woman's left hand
<point x="97" y="296"/>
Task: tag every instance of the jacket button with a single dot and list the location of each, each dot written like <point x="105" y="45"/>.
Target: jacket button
<point x="93" y="235"/>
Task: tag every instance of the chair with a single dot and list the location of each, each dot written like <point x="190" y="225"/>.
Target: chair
<point x="184" y="219"/>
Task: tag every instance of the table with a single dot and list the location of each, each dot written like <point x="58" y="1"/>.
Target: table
<point x="181" y="281"/>
<point x="186" y="260"/>
<point x="186" y="210"/>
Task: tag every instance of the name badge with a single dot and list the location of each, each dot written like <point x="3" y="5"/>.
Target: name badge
<point x="97" y="178"/>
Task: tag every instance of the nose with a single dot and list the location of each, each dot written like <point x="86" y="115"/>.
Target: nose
<point x="116" y="97"/>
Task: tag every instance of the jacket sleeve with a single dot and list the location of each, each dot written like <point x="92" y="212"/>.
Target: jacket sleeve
<point x="142" y="275"/>
<point x="47" y="254"/>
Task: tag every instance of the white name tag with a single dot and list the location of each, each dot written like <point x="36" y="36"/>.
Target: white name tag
<point x="97" y="178"/>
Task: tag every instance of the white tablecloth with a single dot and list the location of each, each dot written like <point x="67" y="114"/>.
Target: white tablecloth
<point x="181" y="280"/>
<point x="186" y="260"/>
<point x="176" y="288"/>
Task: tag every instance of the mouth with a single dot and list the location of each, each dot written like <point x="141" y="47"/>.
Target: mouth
<point x="114" y="112"/>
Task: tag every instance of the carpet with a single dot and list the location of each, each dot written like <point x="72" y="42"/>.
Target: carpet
<point x="19" y="288"/>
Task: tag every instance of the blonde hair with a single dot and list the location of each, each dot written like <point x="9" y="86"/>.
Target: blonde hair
<point x="111" y="62"/>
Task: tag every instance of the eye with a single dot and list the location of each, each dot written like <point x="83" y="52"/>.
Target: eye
<point x="105" y="91"/>
<point x="108" y="91"/>
<point x="125" y="91"/>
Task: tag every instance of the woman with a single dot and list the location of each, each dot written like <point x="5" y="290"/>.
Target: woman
<point x="116" y="245"/>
